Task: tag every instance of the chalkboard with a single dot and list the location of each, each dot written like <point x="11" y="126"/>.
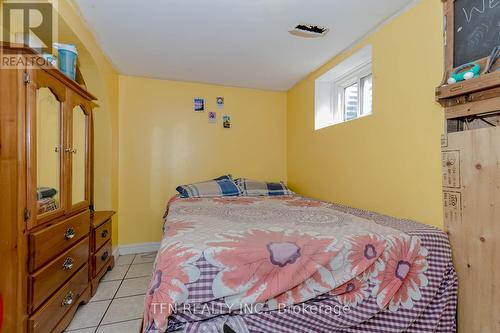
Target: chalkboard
<point x="477" y="29"/>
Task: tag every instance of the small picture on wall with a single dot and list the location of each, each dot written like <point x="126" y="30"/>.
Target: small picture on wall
<point x="199" y="105"/>
<point x="212" y="117"/>
<point x="220" y="102"/>
<point x="226" y="121"/>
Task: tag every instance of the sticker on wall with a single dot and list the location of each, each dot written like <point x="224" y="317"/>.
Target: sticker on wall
<point x="199" y="105"/>
<point x="212" y="117"/>
<point x="220" y="102"/>
<point x="226" y="121"/>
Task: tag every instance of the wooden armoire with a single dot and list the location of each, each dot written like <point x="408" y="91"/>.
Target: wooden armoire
<point x="45" y="195"/>
<point x="471" y="158"/>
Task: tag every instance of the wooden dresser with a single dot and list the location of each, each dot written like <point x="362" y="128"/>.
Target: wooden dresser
<point x="45" y="194"/>
<point x="101" y="258"/>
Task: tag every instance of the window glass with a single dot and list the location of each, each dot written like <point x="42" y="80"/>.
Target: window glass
<point x="366" y="86"/>
<point x="351" y="100"/>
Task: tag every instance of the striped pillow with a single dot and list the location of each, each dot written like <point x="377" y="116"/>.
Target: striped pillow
<point x="220" y="187"/>
<point x="251" y="187"/>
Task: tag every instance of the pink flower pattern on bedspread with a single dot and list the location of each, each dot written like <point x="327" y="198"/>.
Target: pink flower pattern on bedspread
<point x="176" y="227"/>
<point x="365" y="250"/>
<point x="353" y="292"/>
<point x="173" y="270"/>
<point x="259" y="265"/>
<point x="277" y="252"/>
<point x="400" y="281"/>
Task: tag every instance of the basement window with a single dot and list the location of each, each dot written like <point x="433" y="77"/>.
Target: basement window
<point x="344" y="93"/>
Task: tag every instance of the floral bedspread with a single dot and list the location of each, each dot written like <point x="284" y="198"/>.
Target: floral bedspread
<point x="247" y="262"/>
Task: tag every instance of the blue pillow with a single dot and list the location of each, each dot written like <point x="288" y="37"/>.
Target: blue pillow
<point x="224" y="187"/>
<point x="251" y="187"/>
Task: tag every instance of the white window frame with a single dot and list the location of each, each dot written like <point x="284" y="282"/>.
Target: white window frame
<point x="338" y="95"/>
<point x="329" y="89"/>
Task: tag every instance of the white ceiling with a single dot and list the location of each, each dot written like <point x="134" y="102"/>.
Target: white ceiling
<point x="241" y="43"/>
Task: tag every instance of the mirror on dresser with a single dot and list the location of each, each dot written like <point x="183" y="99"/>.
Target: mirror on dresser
<point x="48" y="152"/>
<point x="78" y="152"/>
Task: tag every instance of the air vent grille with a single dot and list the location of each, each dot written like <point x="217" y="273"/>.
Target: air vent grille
<point x="309" y="30"/>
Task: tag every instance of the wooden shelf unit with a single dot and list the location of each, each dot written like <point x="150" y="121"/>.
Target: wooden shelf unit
<point x="471" y="176"/>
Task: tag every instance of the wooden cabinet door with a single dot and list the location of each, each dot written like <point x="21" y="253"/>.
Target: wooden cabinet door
<point x="79" y="115"/>
<point x="46" y="138"/>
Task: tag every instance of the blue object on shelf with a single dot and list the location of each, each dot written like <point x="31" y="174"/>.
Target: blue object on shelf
<point x="67" y="59"/>
<point x="460" y="72"/>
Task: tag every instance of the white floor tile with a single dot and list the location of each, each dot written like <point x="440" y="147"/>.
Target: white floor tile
<point x="139" y="270"/>
<point x="106" y="290"/>
<point x="85" y="330"/>
<point x="133" y="326"/>
<point x="116" y="273"/>
<point x="123" y="309"/>
<point x="88" y="315"/>
<point x="135" y="286"/>
<point x="124" y="260"/>
<point x="144" y="257"/>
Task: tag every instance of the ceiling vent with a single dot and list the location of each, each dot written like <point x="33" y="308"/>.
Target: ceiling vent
<point x="309" y="31"/>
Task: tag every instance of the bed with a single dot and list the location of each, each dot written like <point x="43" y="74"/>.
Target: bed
<point x="293" y="264"/>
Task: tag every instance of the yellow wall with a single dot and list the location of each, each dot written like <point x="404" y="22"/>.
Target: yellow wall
<point x="388" y="162"/>
<point x="148" y="138"/>
<point x="164" y="143"/>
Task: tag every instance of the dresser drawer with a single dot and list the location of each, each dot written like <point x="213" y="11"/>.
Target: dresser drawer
<point x="101" y="257"/>
<point x="102" y="234"/>
<point x="53" y="240"/>
<point x="52" y="276"/>
<point x="45" y="319"/>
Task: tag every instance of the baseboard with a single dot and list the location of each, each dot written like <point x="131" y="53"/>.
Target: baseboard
<point x="116" y="252"/>
<point x="138" y="248"/>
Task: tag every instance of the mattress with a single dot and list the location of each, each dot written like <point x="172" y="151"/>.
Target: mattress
<point x="293" y="264"/>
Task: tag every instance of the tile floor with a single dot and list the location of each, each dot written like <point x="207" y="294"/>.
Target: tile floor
<point x="118" y="303"/>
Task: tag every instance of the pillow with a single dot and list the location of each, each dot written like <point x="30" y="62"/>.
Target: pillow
<point x="251" y="187"/>
<point x="224" y="187"/>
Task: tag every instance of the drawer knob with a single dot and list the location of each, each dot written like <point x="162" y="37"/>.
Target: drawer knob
<point x="68" y="264"/>
<point x="104" y="233"/>
<point x="105" y="256"/>
<point x="68" y="299"/>
<point x="69" y="234"/>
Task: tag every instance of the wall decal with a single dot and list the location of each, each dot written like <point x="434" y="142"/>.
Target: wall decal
<point x="226" y="121"/>
<point x="212" y="117"/>
<point x="220" y="102"/>
<point x="199" y="104"/>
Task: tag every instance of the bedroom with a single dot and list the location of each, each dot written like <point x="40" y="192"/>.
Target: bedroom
<point x="140" y="135"/>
